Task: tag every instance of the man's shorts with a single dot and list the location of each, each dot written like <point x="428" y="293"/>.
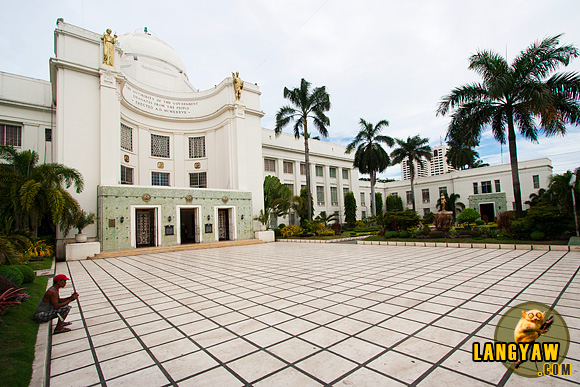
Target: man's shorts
<point x="43" y="317"/>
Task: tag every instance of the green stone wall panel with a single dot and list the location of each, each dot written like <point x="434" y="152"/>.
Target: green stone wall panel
<point x="115" y="202"/>
<point x="498" y="198"/>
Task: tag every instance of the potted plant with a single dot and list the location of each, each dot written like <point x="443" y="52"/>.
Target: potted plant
<point x="81" y="220"/>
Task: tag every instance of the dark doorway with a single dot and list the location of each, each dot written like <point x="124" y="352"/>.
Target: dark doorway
<point x="188" y="226"/>
<point x="145" y="227"/>
<point x="487" y="211"/>
<point x="223" y="224"/>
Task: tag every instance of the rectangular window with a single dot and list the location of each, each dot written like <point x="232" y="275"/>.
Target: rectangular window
<point x="442" y="190"/>
<point x="160" y="178"/>
<point x="126" y="175"/>
<point x="344" y="192"/>
<point x="290" y="187"/>
<point x="426" y="211"/>
<point x="334" y="196"/>
<point x="536" y="179"/>
<point x="345" y="174"/>
<point x="475" y="190"/>
<point x="425" y="195"/>
<point x="395" y="194"/>
<point x="196" y="147"/>
<point x="497" y="186"/>
<point x="364" y="214"/>
<point x="159" y="146"/>
<point x="362" y="198"/>
<point x="269" y="165"/>
<point x="198" y="180"/>
<point x="303" y="169"/>
<point x="409" y="197"/>
<point x="292" y="218"/>
<point x="48" y="135"/>
<point x="486" y="187"/>
<point x="332" y="173"/>
<point x="10" y="135"/>
<point x="127" y="138"/>
<point x="288" y="167"/>
<point x="319" y="171"/>
<point x="320" y="195"/>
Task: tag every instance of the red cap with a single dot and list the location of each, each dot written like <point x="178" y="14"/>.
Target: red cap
<point x="60" y="277"/>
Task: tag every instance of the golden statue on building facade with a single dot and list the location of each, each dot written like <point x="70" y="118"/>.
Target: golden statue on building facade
<point x="108" y="47"/>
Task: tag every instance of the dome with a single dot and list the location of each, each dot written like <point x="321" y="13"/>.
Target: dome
<point x="145" y="45"/>
<point x="153" y="64"/>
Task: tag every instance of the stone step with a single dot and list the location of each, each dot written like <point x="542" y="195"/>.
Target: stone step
<point x="165" y="249"/>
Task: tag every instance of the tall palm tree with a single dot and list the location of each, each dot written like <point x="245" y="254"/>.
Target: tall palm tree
<point x="33" y="191"/>
<point x="305" y="104"/>
<point x="516" y="94"/>
<point x="370" y="157"/>
<point x="414" y="149"/>
<point x="460" y="156"/>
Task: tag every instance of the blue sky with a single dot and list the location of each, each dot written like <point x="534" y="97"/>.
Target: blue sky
<point x="390" y="60"/>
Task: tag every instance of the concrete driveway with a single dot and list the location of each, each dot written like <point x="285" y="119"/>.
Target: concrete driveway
<point x="287" y="314"/>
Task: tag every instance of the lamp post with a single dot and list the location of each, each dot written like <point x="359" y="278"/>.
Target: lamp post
<point x="572" y="183"/>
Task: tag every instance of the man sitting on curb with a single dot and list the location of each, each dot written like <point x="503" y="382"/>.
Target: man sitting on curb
<point x="51" y="305"/>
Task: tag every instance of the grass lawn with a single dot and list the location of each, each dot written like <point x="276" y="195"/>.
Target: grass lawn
<point x="18" y="337"/>
<point x="345" y="234"/>
<point x="469" y="240"/>
<point x="46" y="263"/>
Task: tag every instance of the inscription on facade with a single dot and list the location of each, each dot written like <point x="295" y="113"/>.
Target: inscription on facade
<point x="166" y="107"/>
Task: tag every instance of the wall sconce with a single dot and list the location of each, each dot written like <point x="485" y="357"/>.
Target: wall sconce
<point x="122" y="219"/>
<point x="169" y="218"/>
<point x="242" y="216"/>
<point x="208" y="217"/>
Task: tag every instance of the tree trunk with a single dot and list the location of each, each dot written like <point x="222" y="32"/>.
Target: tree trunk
<point x="373" y="198"/>
<point x="307" y="164"/>
<point x="514" y="165"/>
<point x="412" y="174"/>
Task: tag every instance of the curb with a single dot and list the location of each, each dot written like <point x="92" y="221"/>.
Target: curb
<point x="475" y="245"/>
<point x="322" y="240"/>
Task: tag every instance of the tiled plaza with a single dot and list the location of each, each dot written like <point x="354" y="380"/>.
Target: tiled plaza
<point x="289" y="314"/>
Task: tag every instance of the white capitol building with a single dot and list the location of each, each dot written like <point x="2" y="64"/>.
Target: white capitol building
<point x="165" y="163"/>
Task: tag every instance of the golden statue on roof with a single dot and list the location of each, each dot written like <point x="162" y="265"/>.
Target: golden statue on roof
<point x="238" y="85"/>
<point x="108" y="47"/>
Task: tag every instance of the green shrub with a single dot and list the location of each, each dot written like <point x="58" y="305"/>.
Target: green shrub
<point x="27" y="272"/>
<point x="12" y="274"/>
<point x="469" y="215"/>
<point x="404" y="234"/>
<point x="417" y="233"/>
<point x="452" y="232"/>
<point x="479" y="222"/>
<point x="492" y="233"/>
<point x="428" y="218"/>
<point x="537" y="235"/>
<point x="326" y="232"/>
<point x="391" y="234"/>
<point x="437" y="234"/>
<point x="281" y="226"/>
<point x="521" y="229"/>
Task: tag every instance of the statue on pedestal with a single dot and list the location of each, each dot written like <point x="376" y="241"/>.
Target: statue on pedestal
<point x="238" y="85"/>
<point x="443" y="202"/>
<point x="108" y="47"/>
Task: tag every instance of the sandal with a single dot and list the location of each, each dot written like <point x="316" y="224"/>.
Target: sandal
<point x="63" y="330"/>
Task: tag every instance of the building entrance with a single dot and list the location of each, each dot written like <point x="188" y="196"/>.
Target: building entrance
<point x="487" y="211"/>
<point x="223" y="224"/>
<point x="189" y="227"/>
<point x="145" y="227"/>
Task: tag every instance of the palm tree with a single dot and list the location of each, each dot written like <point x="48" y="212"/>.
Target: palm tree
<point x="460" y="156"/>
<point x="370" y="157"/>
<point x="325" y="219"/>
<point x="516" y="94"/>
<point x="33" y="191"/>
<point x="305" y="104"/>
<point x="414" y="149"/>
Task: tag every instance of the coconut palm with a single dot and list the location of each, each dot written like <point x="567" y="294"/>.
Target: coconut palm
<point x="515" y="95"/>
<point x="304" y="105"/>
<point x="370" y="157"/>
<point x="413" y="149"/>
<point x="33" y="191"/>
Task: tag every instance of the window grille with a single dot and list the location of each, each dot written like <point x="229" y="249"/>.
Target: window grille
<point x="362" y="198"/>
<point x="269" y="165"/>
<point x="497" y="186"/>
<point x="290" y="187"/>
<point x="196" y="147"/>
<point x="126" y="138"/>
<point x="126" y="175"/>
<point x="320" y="195"/>
<point x="395" y="194"/>
<point x="345" y="174"/>
<point x="536" y="179"/>
<point x="159" y="146"/>
<point x="198" y="180"/>
<point x="48" y="135"/>
<point x="486" y="187"/>
<point x="11" y="135"/>
<point x="303" y="169"/>
<point x="409" y="197"/>
<point x="442" y="190"/>
<point x="332" y="173"/>
<point x="475" y="190"/>
<point x="288" y="167"/>
<point x="334" y="196"/>
<point x="425" y="194"/>
<point x="160" y="178"/>
<point x="319" y="171"/>
<point x="344" y="192"/>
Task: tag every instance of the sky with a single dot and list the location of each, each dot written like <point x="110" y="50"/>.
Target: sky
<point x="379" y="60"/>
